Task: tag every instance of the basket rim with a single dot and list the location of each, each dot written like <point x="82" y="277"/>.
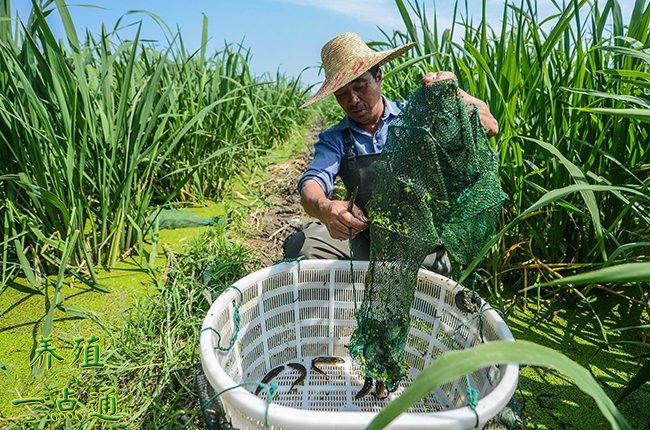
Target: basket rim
<point x="287" y="417"/>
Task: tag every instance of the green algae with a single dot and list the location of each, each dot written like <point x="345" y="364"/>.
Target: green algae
<point x="549" y="399"/>
<point x="23" y="310"/>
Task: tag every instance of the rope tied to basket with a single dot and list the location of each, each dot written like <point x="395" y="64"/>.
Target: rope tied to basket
<point x="472" y="398"/>
<point x="472" y="393"/>
<point x="270" y="389"/>
<point x="236" y="320"/>
<point x="288" y="260"/>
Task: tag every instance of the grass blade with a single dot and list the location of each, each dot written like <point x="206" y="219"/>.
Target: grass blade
<point x="453" y="364"/>
<point x="629" y="272"/>
<point x="637" y="381"/>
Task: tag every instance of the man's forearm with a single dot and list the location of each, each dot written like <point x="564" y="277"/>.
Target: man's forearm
<point x="488" y="121"/>
<point x="314" y="200"/>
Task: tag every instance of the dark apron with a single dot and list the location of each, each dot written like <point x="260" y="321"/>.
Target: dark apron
<point x="357" y="171"/>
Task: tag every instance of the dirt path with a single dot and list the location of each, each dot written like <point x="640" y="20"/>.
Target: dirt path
<point x="267" y="227"/>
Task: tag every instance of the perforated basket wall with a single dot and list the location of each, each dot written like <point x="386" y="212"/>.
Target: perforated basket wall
<point x="294" y="312"/>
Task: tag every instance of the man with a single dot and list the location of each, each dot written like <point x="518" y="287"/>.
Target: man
<point x="348" y="149"/>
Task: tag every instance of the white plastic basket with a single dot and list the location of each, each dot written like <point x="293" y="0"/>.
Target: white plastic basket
<point x="293" y="312"/>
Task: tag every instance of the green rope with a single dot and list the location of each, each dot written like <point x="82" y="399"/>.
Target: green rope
<point x="289" y="260"/>
<point x="354" y="288"/>
<point x="479" y="314"/>
<point x="236" y="319"/>
<point x="472" y="398"/>
<point x="472" y="393"/>
<point x="484" y="309"/>
<point x="270" y="389"/>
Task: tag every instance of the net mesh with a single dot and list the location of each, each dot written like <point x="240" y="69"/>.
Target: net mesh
<point x="436" y="182"/>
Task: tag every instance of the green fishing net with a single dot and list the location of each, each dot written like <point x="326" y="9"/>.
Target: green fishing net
<point x="436" y="183"/>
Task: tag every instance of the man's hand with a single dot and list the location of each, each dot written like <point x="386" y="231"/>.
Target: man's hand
<point x="437" y="76"/>
<point x="338" y="220"/>
<point x="334" y="214"/>
<point x="488" y="121"/>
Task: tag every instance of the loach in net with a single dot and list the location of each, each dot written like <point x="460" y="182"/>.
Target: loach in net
<point x="435" y="183"/>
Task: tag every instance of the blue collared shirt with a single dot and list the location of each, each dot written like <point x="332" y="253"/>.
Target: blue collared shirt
<point x="328" y="151"/>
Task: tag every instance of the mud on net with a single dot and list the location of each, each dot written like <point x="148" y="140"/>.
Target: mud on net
<point x="435" y="183"/>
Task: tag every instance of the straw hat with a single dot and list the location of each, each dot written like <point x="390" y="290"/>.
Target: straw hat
<point x="345" y="58"/>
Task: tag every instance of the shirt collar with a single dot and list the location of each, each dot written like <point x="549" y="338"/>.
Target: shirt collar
<point x="390" y="109"/>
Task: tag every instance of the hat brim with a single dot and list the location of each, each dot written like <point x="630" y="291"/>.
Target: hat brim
<point x="344" y="77"/>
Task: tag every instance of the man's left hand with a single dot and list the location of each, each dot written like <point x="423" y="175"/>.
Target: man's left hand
<point x="437" y="76"/>
<point x="488" y="121"/>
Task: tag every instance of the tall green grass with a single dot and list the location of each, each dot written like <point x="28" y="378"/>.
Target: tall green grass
<point x="571" y="97"/>
<point x="94" y="134"/>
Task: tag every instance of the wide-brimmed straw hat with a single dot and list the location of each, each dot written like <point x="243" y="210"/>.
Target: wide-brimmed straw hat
<point x="345" y="58"/>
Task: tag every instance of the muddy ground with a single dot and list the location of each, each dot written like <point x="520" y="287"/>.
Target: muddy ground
<point x="268" y="226"/>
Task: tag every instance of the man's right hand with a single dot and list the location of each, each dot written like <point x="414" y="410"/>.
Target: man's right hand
<point x="338" y="220"/>
<point x="334" y="214"/>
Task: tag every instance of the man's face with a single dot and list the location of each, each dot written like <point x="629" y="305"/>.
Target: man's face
<point x="361" y="99"/>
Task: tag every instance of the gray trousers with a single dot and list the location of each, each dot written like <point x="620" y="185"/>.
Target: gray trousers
<point x="314" y="242"/>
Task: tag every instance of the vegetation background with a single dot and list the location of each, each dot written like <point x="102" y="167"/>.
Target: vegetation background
<point x="99" y="135"/>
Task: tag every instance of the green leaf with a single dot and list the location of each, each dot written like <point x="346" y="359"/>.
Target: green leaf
<point x="454" y="364"/>
<point x="624" y="248"/>
<point x="405" y="65"/>
<point x="70" y="30"/>
<point x="642" y="376"/>
<point x="635" y="327"/>
<point x="56" y="300"/>
<point x="627" y="51"/>
<point x="410" y="27"/>
<point x="630" y="272"/>
<point x="587" y="195"/>
<point x="640" y="114"/>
